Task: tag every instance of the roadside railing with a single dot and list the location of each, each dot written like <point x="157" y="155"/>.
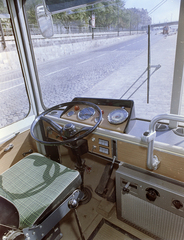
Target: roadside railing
<point x="63" y="38"/>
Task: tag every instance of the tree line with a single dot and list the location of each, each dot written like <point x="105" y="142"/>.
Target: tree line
<point x="110" y="14"/>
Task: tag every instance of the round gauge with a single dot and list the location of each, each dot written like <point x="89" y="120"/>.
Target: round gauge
<point x="69" y="114"/>
<point x="86" y="113"/>
<point x="117" y="116"/>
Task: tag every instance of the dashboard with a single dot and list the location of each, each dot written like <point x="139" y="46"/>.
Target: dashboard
<point x="122" y="140"/>
<point x="117" y="116"/>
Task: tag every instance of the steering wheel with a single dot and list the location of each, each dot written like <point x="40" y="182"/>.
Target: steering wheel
<point x="57" y="128"/>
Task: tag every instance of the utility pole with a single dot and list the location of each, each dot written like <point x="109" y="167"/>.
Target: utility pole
<point x="149" y="60"/>
<point x="118" y="17"/>
<point x="93" y="24"/>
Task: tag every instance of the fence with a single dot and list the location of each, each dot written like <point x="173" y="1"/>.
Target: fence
<point x="59" y="28"/>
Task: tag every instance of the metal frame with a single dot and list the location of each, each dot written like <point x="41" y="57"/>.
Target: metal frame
<point x="41" y="230"/>
<point x="177" y="89"/>
<point x="149" y="137"/>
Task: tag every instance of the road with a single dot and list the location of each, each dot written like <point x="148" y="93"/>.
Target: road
<point x="75" y="75"/>
<point x="85" y="74"/>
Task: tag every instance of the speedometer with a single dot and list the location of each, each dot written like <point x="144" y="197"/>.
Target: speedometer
<point x="86" y="113"/>
<point x="117" y="116"/>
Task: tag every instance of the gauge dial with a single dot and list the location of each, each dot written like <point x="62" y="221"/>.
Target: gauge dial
<point x="69" y="114"/>
<point x="117" y="116"/>
<point x="86" y="113"/>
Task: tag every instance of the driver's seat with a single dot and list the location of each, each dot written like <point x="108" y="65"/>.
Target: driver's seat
<point x="34" y="196"/>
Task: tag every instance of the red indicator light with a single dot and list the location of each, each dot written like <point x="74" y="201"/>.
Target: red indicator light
<point x="76" y="108"/>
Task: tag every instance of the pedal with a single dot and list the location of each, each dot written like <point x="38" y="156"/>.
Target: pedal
<point x="101" y="189"/>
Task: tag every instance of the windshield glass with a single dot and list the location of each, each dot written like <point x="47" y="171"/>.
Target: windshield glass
<point x="114" y="49"/>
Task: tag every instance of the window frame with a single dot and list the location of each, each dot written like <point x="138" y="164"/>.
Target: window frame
<point x="178" y="79"/>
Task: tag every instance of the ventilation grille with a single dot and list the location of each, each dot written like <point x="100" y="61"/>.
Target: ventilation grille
<point x="151" y="218"/>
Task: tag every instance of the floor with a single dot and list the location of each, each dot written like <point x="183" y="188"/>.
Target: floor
<point x="90" y="215"/>
<point x="98" y="208"/>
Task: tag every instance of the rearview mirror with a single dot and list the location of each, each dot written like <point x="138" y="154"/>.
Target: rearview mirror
<point x="44" y="20"/>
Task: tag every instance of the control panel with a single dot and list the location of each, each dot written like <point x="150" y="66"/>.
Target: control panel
<point x="158" y="190"/>
<point x="100" y="145"/>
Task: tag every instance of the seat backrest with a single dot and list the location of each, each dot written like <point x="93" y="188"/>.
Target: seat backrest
<point x="9" y="215"/>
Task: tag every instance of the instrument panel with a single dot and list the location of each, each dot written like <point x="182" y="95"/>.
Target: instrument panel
<point x="116" y="114"/>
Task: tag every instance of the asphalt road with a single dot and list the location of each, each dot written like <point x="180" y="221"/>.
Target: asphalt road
<point x="73" y="76"/>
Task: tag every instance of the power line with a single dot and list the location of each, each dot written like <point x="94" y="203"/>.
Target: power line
<point x="157" y="6"/>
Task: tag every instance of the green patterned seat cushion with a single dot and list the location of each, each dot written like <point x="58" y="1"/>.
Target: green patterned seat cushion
<point x="5" y="194"/>
<point x="34" y="183"/>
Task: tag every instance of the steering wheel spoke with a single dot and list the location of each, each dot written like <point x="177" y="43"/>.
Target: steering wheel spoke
<point x="56" y="126"/>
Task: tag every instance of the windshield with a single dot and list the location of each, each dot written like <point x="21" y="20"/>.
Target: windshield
<point x="114" y="49"/>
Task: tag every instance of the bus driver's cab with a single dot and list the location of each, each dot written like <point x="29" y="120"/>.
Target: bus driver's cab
<point x="91" y="122"/>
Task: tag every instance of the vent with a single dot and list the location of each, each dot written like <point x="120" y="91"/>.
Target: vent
<point x="153" y="203"/>
<point x="152" y="219"/>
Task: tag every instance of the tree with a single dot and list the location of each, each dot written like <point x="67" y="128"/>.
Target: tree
<point x="31" y="10"/>
<point x="137" y="18"/>
<point x="110" y="14"/>
<point x="71" y="17"/>
<point x="107" y="13"/>
<point x="3" y="7"/>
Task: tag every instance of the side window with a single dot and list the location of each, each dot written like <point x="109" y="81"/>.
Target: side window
<point x="13" y="96"/>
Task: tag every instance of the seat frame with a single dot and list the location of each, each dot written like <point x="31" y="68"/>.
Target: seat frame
<point x="40" y="231"/>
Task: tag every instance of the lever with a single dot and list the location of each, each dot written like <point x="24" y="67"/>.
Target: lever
<point x="10" y="146"/>
<point x="25" y="153"/>
<point x="73" y="204"/>
<point x="126" y="188"/>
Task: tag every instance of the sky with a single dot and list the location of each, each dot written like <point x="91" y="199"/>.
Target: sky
<point x="159" y="10"/>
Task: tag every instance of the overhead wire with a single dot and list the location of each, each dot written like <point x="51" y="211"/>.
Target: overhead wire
<point x="157" y="6"/>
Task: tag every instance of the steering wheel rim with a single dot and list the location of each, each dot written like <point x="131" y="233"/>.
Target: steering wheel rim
<point x="73" y="139"/>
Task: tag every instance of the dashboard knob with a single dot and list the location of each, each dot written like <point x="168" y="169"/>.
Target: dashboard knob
<point x="177" y="204"/>
<point x="152" y="194"/>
